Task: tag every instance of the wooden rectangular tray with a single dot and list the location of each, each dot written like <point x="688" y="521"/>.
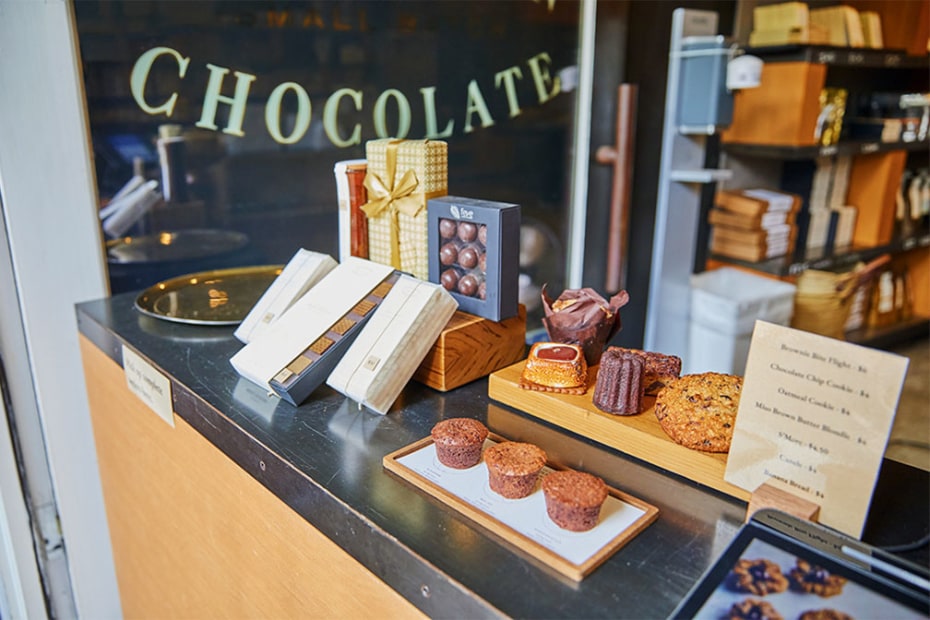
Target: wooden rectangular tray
<point x="640" y="435"/>
<point x="522" y="543"/>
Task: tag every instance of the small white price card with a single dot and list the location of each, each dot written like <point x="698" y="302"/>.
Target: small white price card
<point x="814" y="419"/>
<point x="152" y="387"/>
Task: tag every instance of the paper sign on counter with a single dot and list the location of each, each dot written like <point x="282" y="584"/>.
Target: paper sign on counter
<point x="814" y="419"/>
<point x="152" y="387"/>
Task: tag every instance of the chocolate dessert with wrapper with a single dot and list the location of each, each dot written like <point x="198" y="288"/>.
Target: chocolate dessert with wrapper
<point x="583" y="317"/>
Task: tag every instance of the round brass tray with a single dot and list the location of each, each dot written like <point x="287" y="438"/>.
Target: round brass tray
<point x="219" y="297"/>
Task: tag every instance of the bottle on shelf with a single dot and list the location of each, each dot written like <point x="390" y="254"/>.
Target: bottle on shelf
<point x="882" y="305"/>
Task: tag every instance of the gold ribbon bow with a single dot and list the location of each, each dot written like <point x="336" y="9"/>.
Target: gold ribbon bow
<point x="397" y="197"/>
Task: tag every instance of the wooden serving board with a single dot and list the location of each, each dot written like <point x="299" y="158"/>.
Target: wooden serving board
<point x="640" y="435"/>
<point x="523" y="524"/>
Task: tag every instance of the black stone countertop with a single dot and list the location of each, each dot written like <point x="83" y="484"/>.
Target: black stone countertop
<point x="324" y="460"/>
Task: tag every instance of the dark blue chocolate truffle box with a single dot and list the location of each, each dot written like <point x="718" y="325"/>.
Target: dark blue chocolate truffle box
<point x="474" y="252"/>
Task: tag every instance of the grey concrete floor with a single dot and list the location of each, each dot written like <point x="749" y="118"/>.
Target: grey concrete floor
<point x="910" y="435"/>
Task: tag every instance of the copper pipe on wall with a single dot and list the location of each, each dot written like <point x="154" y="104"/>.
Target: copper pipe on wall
<point x="621" y="157"/>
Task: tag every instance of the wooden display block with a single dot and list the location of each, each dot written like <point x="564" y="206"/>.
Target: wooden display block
<point x="782" y="110"/>
<point x="471" y="347"/>
<point x="873" y="183"/>
<point x="768" y="496"/>
<point x="640" y="435"/>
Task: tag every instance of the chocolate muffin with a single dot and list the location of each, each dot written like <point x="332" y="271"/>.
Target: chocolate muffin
<point x="513" y="468"/>
<point x="574" y="499"/>
<point x="459" y="442"/>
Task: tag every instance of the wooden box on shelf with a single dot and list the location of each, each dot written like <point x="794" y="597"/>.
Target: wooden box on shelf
<point x="782" y="110"/>
<point x="873" y="183"/>
<point x="471" y="347"/>
<point x="918" y="271"/>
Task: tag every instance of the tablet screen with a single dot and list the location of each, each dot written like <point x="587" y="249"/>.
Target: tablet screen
<point x="767" y="575"/>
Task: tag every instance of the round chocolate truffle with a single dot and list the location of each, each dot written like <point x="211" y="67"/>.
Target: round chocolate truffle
<point x="468" y="285"/>
<point x="447" y="228"/>
<point x="467" y="231"/>
<point x="483" y="262"/>
<point x="448" y="254"/>
<point x="468" y="257"/>
<point x="483" y="234"/>
<point x="449" y="279"/>
<point x="483" y="290"/>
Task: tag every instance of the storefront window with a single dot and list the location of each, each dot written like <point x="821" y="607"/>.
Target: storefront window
<point x="236" y="112"/>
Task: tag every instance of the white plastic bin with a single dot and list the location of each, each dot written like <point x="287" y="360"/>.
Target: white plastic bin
<point x="725" y="304"/>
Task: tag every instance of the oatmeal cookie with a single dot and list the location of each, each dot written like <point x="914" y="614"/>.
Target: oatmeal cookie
<point x="807" y="577"/>
<point x="753" y="608"/>
<point x="698" y="411"/>
<point x="759" y="577"/>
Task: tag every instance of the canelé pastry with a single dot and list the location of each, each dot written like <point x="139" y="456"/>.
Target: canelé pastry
<point x="754" y="609"/>
<point x="513" y="468"/>
<point x="619" y="386"/>
<point x="583" y="317"/>
<point x="759" y="577"/>
<point x="555" y="367"/>
<point x="699" y="411"/>
<point x="807" y="577"/>
<point x="459" y="442"/>
<point x="660" y="368"/>
<point x="574" y="499"/>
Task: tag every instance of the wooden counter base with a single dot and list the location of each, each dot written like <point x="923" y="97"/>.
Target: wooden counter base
<point x="195" y="536"/>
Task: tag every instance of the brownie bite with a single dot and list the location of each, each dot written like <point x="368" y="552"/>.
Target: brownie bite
<point x="574" y="499"/>
<point x="513" y="468"/>
<point x="459" y="442"/>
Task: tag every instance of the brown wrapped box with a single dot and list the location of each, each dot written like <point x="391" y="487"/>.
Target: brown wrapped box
<point x="402" y="176"/>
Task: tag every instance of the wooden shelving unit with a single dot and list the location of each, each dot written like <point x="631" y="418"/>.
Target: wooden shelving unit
<point x="771" y="143"/>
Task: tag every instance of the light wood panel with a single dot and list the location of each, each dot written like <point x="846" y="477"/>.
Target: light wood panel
<point x="639" y="435"/>
<point x="918" y="265"/>
<point x="873" y="182"/>
<point x="782" y="110"/>
<point x="194" y="536"/>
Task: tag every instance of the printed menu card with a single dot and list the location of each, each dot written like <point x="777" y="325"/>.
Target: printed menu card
<point x="814" y="419"/>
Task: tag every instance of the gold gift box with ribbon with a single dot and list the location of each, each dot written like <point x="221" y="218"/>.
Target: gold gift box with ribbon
<point x="402" y="176"/>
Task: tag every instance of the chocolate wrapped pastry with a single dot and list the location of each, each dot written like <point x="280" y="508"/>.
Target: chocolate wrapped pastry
<point x="583" y="317"/>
